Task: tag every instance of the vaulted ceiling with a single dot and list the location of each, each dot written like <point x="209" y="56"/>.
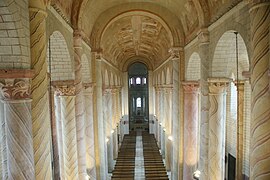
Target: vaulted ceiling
<point x="146" y="29"/>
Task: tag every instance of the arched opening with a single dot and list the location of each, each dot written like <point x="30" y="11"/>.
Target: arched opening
<point x="225" y="65"/>
<point x="138" y="97"/>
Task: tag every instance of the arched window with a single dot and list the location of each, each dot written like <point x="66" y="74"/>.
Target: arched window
<point x="138" y="102"/>
<point x="131" y="80"/>
<point x="138" y="80"/>
<point x="144" y="80"/>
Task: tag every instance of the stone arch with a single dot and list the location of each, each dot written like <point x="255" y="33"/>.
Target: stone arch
<point x="224" y="65"/>
<point x="224" y="59"/>
<point x="14" y="48"/>
<point x="193" y="71"/>
<point x="86" y="66"/>
<point x="134" y="59"/>
<point x="60" y="65"/>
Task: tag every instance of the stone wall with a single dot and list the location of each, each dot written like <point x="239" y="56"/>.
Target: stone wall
<point x="14" y="34"/>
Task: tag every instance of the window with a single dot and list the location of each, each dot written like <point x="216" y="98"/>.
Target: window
<point x="138" y="80"/>
<point x="138" y="102"/>
<point x="144" y="80"/>
<point x="131" y="80"/>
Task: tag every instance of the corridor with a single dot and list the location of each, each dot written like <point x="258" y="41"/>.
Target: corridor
<point x="139" y="159"/>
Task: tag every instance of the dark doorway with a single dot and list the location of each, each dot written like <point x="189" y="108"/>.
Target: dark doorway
<point x="231" y="167"/>
<point x="138" y="97"/>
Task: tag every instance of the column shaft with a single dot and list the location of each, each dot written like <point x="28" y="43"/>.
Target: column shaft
<point x="40" y="102"/>
<point x="240" y="130"/>
<point x="89" y="131"/>
<point x="177" y="56"/>
<point x="69" y="137"/>
<point x="18" y="127"/>
<point x="216" y="153"/>
<point x="191" y="120"/>
<point x="59" y="136"/>
<point x="79" y="106"/>
<point x="203" y="37"/>
<point x="100" y="135"/>
<point x="260" y="96"/>
<point x="3" y="144"/>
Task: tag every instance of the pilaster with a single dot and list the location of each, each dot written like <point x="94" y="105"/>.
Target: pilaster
<point x="240" y="129"/>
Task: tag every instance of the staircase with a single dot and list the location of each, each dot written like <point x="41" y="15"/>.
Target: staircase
<point x="148" y="167"/>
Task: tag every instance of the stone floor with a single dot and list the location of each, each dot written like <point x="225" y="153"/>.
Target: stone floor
<point x="139" y="160"/>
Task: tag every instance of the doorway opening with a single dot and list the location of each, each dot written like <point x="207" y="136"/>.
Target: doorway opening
<point x="138" y="97"/>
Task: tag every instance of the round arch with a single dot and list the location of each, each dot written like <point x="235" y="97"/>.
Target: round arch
<point x="224" y="57"/>
<point x="193" y="70"/>
<point x="61" y="63"/>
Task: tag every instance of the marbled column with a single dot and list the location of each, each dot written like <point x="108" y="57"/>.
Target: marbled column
<point x="157" y="90"/>
<point x="79" y="105"/>
<point x="3" y="143"/>
<point x="15" y="94"/>
<point x="98" y="120"/>
<point x="217" y="116"/>
<point x="203" y="37"/>
<point x="191" y="121"/>
<point x="40" y="98"/>
<point x="162" y="122"/>
<point x="260" y="96"/>
<point x="59" y="135"/>
<point x="176" y="55"/>
<point x="55" y="143"/>
<point x="89" y="132"/>
<point x="115" y="121"/>
<point x="108" y="120"/>
<point x="67" y="103"/>
<point x="168" y="125"/>
<point x="240" y="129"/>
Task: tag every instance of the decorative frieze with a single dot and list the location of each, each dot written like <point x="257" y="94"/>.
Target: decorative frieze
<point x="175" y="52"/>
<point x="65" y="91"/>
<point x="15" y="84"/>
<point x="190" y="86"/>
<point x="15" y="89"/>
<point x="218" y="85"/>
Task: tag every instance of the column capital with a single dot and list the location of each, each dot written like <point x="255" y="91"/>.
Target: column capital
<point x="77" y="38"/>
<point x="15" y="84"/>
<point x="98" y="54"/>
<point x="218" y="85"/>
<point x="88" y="88"/>
<point x="240" y="85"/>
<point x="191" y="86"/>
<point x="65" y="90"/>
<point x="175" y="52"/>
<point x="107" y="90"/>
<point x="203" y="36"/>
<point x="15" y="89"/>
